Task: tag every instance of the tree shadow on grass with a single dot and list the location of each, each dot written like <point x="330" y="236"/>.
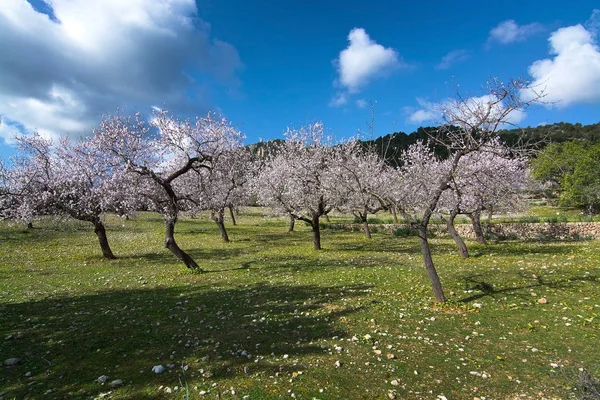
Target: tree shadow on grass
<point x="66" y="343"/>
<point x="477" y="283"/>
<point x="520" y="248"/>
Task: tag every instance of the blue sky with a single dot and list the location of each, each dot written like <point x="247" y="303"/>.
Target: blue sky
<point x="267" y="65"/>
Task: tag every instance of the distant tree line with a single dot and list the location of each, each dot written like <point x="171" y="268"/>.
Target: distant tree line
<point x="391" y="146"/>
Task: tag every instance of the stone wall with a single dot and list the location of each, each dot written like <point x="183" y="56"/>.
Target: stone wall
<point x="542" y="230"/>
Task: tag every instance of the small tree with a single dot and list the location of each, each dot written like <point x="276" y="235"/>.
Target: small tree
<point x="27" y="181"/>
<point x="492" y="179"/>
<point x="64" y="180"/>
<point x="223" y="186"/>
<point x="469" y="125"/>
<point x="361" y="174"/>
<point x="162" y="152"/>
<point x="297" y="179"/>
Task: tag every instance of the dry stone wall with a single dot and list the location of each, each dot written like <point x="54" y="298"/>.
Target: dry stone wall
<point x="531" y="231"/>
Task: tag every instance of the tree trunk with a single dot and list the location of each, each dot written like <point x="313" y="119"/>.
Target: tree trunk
<point x="429" y="267"/>
<point x="100" y="231"/>
<point x="30" y="225"/>
<point x="292" y="223"/>
<point x="326" y="218"/>
<point x="394" y="214"/>
<point x="219" y="218"/>
<point x="366" y="228"/>
<point x="476" y="221"/>
<point x="232" y="215"/>
<point x="172" y="245"/>
<point x="462" y="247"/>
<point x="316" y="233"/>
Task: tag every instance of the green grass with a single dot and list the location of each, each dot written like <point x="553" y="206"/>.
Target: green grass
<point x="273" y="318"/>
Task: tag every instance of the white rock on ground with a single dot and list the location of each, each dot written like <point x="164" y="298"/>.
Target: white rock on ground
<point x="158" y="369"/>
<point x="116" y="383"/>
<point x="102" y="379"/>
<point x="9" y="362"/>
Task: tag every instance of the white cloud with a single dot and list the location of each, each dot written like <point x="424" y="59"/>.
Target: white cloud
<point x="452" y="58"/>
<point x="509" y="31"/>
<point x="339" y="99"/>
<point x="59" y="75"/>
<point x="573" y="74"/>
<point x="427" y="111"/>
<point x="361" y="103"/>
<point x="363" y="60"/>
<point x="471" y="110"/>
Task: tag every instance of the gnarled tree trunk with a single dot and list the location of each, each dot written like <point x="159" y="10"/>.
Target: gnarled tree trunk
<point x="219" y="218"/>
<point x="429" y="267"/>
<point x="363" y="218"/>
<point x="316" y="232"/>
<point x="171" y="244"/>
<point x="232" y="215"/>
<point x="292" y="223"/>
<point x="476" y="221"/>
<point x="100" y="231"/>
<point x="394" y="214"/>
<point x="462" y="247"/>
<point x="326" y="217"/>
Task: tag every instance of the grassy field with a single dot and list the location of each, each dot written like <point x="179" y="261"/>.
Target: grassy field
<point x="274" y="319"/>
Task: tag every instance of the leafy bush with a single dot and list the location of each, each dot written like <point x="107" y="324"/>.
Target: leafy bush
<point x="529" y="220"/>
<point x="405" y="232"/>
<point x="556" y="219"/>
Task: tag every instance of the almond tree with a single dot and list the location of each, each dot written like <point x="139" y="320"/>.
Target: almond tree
<point x="298" y="180"/>
<point x="470" y="124"/>
<point x="64" y="180"/>
<point x="361" y="175"/>
<point x="492" y="178"/>
<point x="27" y="181"/>
<point x="223" y="186"/>
<point x="160" y="153"/>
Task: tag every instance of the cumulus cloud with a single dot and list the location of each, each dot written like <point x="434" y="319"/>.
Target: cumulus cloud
<point x="509" y="31"/>
<point x="573" y="74"/>
<point x="59" y="73"/>
<point x="339" y="99"/>
<point x="364" y="60"/>
<point x="452" y="58"/>
<point x="361" y="103"/>
<point x="361" y="62"/>
<point x="470" y="110"/>
<point x="426" y="111"/>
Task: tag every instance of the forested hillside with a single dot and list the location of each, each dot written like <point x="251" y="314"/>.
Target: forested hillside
<point x="390" y="146"/>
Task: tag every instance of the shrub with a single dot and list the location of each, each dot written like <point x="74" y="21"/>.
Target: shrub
<point x="405" y="232"/>
<point x="529" y="220"/>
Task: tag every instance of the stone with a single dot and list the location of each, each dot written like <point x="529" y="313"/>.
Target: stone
<point x="9" y="362"/>
<point x="543" y="300"/>
<point x="116" y="383"/>
<point x="158" y="369"/>
<point x="102" y="379"/>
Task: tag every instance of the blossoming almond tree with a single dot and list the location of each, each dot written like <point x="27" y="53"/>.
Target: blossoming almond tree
<point x="26" y="182"/>
<point x="492" y="178"/>
<point x="163" y="151"/>
<point x="225" y="185"/>
<point x="66" y="179"/>
<point x="362" y="174"/>
<point x="298" y="180"/>
<point x="470" y="124"/>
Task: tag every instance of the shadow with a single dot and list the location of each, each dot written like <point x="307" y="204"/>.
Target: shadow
<point x="477" y="283"/>
<point x="67" y="343"/>
<point x="521" y="248"/>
